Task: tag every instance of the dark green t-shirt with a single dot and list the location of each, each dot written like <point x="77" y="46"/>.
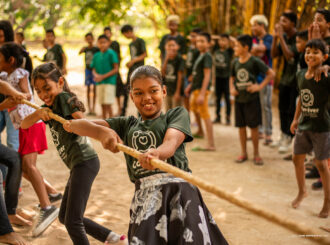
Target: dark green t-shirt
<point x="315" y="103"/>
<point x="203" y="61"/>
<point x="144" y="135"/>
<point x="288" y="77"/>
<point x="137" y="48"/>
<point x="181" y="41"/>
<point x="192" y="56"/>
<point x="54" y="54"/>
<point x="222" y="61"/>
<point x="73" y="149"/>
<point x="246" y="74"/>
<point x="103" y="63"/>
<point x="171" y="76"/>
<point x="116" y="47"/>
<point x="89" y="54"/>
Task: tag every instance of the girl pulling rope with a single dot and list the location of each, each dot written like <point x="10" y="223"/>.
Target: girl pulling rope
<point x="75" y="151"/>
<point x="165" y="209"/>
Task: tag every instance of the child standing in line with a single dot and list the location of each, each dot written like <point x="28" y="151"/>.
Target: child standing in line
<point x="89" y="51"/>
<point x="311" y="123"/>
<point x="172" y="71"/>
<point x="105" y="69"/>
<point x="284" y="44"/>
<point x="138" y="52"/>
<point x="120" y="87"/>
<point x="244" y="86"/>
<point x="75" y="151"/>
<point x="301" y="41"/>
<point x="222" y="60"/>
<point x="192" y="55"/>
<point x="172" y="22"/>
<point x="55" y="52"/>
<point x="199" y="89"/>
<point x="165" y="209"/>
<point x="32" y="140"/>
<point x="19" y="39"/>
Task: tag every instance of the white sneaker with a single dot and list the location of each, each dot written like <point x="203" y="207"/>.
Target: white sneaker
<point x="46" y="218"/>
<point x="278" y="143"/>
<point x="285" y="146"/>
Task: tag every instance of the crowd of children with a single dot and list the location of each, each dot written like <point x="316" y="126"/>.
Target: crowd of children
<point x="239" y="69"/>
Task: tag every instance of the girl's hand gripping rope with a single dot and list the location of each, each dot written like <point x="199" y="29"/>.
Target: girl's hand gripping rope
<point x="145" y="158"/>
<point x="43" y="113"/>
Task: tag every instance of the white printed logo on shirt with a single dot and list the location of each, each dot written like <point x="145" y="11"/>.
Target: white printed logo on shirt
<point x="133" y="52"/>
<point x="143" y="141"/>
<point x="307" y="101"/>
<point x="307" y="98"/>
<point x="170" y="76"/>
<point x="220" y="60"/>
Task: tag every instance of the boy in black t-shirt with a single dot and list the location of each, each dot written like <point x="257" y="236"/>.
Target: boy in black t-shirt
<point x="301" y="40"/>
<point x="138" y="52"/>
<point x="172" y="22"/>
<point x="55" y="52"/>
<point x="172" y="71"/>
<point x="222" y="61"/>
<point x="200" y="90"/>
<point x="311" y="123"/>
<point x="19" y="39"/>
<point x="244" y="86"/>
<point x="284" y="44"/>
<point x="192" y="55"/>
<point x="89" y="51"/>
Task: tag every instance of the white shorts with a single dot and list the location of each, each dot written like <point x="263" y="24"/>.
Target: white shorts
<point x="106" y="93"/>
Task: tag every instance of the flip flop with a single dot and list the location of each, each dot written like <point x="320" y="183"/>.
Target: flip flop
<point x="198" y="148"/>
<point x="258" y="161"/>
<point x="241" y="159"/>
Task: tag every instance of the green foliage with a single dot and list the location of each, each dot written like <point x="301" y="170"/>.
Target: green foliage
<point x="103" y="12"/>
<point x="191" y="22"/>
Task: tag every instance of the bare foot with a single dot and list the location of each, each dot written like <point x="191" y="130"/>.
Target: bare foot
<point x="15" y="219"/>
<point x="325" y="210"/>
<point x="296" y="202"/>
<point x="28" y="215"/>
<point x="13" y="238"/>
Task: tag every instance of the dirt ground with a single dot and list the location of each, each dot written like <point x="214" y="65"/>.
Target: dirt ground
<point x="272" y="186"/>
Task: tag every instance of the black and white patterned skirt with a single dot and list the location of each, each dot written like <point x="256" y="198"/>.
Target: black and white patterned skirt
<point x="168" y="210"/>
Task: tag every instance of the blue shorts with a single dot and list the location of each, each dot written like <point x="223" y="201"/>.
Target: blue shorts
<point x="89" y="77"/>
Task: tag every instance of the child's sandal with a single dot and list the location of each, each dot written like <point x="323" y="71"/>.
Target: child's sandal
<point x="241" y="159"/>
<point x="258" y="161"/>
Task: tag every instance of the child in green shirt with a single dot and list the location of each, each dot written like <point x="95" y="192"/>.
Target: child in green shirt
<point x="138" y="52"/>
<point x="199" y="89"/>
<point x="172" y="71"/>
<point x="172" y="23"/>
<point x="105" y="66"/>
<point x="165" y="209"/>
<point x="245" y="88"/>
<point x="76" y="152"/>
<point x="55" y="52"/>
<point x="311" y="123"/>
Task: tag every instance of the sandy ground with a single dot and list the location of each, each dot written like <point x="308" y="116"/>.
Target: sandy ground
<point x="272" y="186"/>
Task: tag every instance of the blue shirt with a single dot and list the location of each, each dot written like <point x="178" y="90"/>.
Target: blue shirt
<point x="267" y="58"/>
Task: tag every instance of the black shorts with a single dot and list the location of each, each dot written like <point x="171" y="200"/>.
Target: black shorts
<point x="120" y="87"/>
<point x="248" y="114"/>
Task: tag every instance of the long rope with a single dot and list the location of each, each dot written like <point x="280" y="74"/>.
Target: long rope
<point x="292" y="225"/>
